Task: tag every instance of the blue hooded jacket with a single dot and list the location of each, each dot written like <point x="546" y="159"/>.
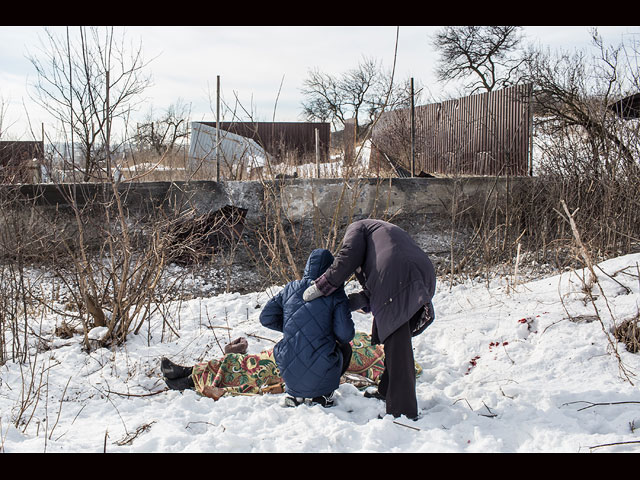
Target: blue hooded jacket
<point x="306" y="356"/>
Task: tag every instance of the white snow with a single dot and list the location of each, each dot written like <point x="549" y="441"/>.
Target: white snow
<point x="505" y="369"/>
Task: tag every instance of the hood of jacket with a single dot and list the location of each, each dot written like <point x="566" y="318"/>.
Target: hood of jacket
<point x="317" y="263"/>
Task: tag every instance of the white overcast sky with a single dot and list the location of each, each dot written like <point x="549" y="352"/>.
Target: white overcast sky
<point x="252" y="63"/>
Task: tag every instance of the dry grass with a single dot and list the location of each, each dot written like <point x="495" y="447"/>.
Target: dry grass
<point x="628" y="332"/>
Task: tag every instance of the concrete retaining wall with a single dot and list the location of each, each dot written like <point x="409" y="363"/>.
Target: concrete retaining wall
<point x="300" y="197"/>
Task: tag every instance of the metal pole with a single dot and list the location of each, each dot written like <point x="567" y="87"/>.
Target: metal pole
<point x="218" y="131"/>
<point x="73" y="158"/>
<point x="108" y="124"/>
<point x="413" y="133"/>
<point x="317" y="155"/>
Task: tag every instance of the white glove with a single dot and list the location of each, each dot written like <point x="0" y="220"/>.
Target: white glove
<point x="311" y="293"/>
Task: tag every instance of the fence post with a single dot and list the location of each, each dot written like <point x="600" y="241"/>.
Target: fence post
<point x="350" y="136"/>
<point x="413" y="133"/>
<point x="317" y="155"/>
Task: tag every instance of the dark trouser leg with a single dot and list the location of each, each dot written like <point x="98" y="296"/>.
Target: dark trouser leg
<point x="345" y="351"/>
<point x="183" y="383"/>
<point x="398" y="381"/>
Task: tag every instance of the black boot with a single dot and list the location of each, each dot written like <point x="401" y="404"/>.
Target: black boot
<point x="327" y="401"/>
<point x="374" y="394"/>
<point x="172" y="371"/>
<point x="184" y="383"/>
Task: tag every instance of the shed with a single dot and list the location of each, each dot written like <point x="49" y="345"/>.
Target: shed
<point x="20" y="161"/>
<point x="282" y="139"/>
<point x="237" y="150"/>
<point x="628" y="107"/>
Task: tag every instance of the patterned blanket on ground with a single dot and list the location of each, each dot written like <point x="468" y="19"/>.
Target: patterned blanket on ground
<point x="255" y="374"/>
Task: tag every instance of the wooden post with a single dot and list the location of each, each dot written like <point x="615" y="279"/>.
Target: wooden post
<point x="218" y="131"/>
<point x="108" y="125"/>
<point x="73" y="158"/>
<point x="413" y="133"/>
<point x="530" y="113"/>
<point x="317" y="155"/>
<point x="349" y="138"/>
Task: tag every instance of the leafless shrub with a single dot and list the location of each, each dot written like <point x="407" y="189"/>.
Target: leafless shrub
<point x="628" y="332"/>
<point x="586" y="155"/>
<point x="22" y="240"/>
<point x="109" y="260"/>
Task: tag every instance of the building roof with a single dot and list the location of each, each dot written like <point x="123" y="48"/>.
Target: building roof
<point x="628" y="107"/>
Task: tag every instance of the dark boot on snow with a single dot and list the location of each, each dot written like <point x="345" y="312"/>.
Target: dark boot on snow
<point x="173" y="371"/>
<point x="327" y="401"/>
<point x="374" y="394"/>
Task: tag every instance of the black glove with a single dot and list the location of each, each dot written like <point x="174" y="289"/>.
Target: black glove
<point x="358" y="301"/>
<point x="422" y="319"/>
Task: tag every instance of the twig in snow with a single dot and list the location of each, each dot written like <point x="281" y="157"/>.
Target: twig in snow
<point x="490" y="415"/>
<point x="259" y="337"/>
<point x="507" y="354"/>
<point x="613" y="444"/>
<point x="505" y="395"/>
<point x="207" y="423"/>
<point x="60" y="409"/>
<point x="213" y="331"/>
<point x="468" y="404"/>
<point x="408" y="426"/>
<point x="594" y="404"/>
<point x="593" y="280"/>
<point x="138" y="394"/>
<point x="128" y="439"/>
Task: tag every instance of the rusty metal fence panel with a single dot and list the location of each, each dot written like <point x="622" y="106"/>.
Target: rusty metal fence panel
<point x="485" y="134"/>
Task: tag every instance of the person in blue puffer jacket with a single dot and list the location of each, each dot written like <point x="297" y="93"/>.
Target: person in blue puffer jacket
<point x="314" y="351"/>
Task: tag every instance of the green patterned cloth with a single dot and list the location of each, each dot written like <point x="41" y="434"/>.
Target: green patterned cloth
<point x="254" y="374"/>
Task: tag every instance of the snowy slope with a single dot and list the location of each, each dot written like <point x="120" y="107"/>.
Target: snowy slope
<point x="505" y="370"/>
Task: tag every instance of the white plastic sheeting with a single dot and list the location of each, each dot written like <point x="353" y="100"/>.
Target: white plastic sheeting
<point x="234" y="149"/>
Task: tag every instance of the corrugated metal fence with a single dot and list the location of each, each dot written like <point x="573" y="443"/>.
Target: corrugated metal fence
<point x="485" y="134"/>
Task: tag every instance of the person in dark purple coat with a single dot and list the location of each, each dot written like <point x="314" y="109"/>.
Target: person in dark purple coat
<point x="398" y="281"/>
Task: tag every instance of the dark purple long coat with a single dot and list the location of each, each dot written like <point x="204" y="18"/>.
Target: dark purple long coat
<point x="396" y="274"/>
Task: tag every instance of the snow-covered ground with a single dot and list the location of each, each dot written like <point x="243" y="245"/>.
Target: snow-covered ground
<point x="506" y="368"/>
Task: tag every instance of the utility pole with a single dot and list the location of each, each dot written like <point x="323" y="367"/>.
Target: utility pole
<point x="73" y="158"/>
<point x="317" y="155"/>
<point x="413" y="133"/>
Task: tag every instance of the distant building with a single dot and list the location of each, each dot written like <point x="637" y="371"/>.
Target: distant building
<point x="249" y="145"/>
<point x="234" y="151"/>
<point x="628" y="107"/>
<point x="20" y="161"/>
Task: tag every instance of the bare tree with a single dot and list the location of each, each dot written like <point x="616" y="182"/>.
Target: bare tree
<point x="87" y="84"/>
<point x="360" y="93"/>
<point x="573" y="91"/>
<point x="4" y="105"/>
<point x="484" y="53"/>
<point x="162" y="134"/>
